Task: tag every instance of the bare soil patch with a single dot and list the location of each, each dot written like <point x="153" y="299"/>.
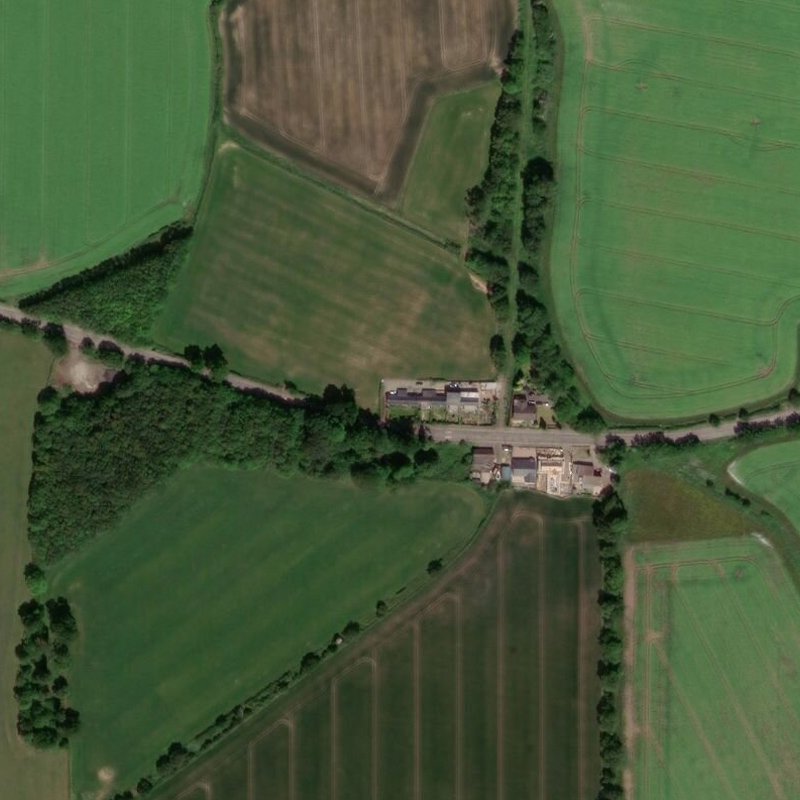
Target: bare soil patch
<point x="345" y="85"/>
<point x="81" y="373"/>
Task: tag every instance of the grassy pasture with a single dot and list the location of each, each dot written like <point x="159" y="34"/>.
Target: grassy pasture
<point x="675" y="237"/>
<point x="716" y="706"/>
<point x="346" y="86"/>
<point x="32" y="775"/>
<point x="450" y="158"/>
<point x="218" y="582"/>
<point x="295" y="281"/>
<point x="663" y="507"/>
<point x="105" y="108"/>
<point x="483" y="687"/>
<point x="773" y="472"/>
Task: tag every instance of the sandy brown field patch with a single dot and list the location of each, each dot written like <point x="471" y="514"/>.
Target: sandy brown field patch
<point x="336" y="82"/>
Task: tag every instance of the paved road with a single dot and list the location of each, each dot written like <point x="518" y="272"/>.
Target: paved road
<point x="517" y="437"/>
<point x="75" y="335"/>
<point x="533" y="437"/>
<point x="477" y="435"/>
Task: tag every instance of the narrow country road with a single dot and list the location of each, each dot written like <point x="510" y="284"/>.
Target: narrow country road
<point x="480" y="436"/>
<point x="533" y="437"/>
<point x="75" y="335"/>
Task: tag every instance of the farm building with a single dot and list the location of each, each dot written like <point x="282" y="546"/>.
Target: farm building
<point x="524" y="471"/>
<point x="483" y="464"/>
<point x="587" y="477"/>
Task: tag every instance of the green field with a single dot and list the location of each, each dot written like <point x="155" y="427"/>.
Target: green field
<point x="717" y="651"/>
<point x="773" y="472"/>
<point x="26" y="364"/>
<point x="295" y="281"/>
<point x="674" y="249"/>
<point x="105" y="110"/>
<point x="484" y="687"/>
<point x="663" y="507"/>
<point x="450" y="158"/>
<point x="221" y="580"/>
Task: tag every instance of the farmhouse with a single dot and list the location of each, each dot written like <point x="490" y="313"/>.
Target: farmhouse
<point x="524" y="411"/>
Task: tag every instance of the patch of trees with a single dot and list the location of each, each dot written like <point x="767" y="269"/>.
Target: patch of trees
<point x="94" y="455"/>
<point x="179" y="755"/>
<point x="122" y="295"/>
<point x="44" y="718"/>
<point x="211" y="358"/>
<point x="609" y="517"/>
<point x="492" y="204"/>
<point x="536" y="342"/>
<point x="745" y="501"/>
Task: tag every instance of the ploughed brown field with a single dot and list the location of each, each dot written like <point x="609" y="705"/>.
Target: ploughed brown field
<point x="346" y="84"/>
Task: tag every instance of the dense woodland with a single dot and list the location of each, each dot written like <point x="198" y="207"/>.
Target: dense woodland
<point x="123" y="295"/>
<point x="94" y="455"/>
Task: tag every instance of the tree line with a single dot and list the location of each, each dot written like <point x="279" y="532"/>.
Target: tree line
<point x="609" y="517"/>
<point x="491" y="205"/>
<point x="536" y="346"/>
<point x="94" y="455"/>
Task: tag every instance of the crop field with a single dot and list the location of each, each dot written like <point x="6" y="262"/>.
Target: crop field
<point x="484" y="687"/>
<point x="717" y="651"/>
<point x="104" y="109"/>
<point x="32" y="775"/>
<point x="773" y="472"/>
<point x="450" y="158"/>
<point x="345" y="84"/>
<point x="233" y="576"/>
<point x="295" y="281"/>
<point x="676" y="240"/>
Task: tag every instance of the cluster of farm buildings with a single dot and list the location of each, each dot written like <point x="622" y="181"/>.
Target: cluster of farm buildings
<point x="552" y="470"/>
<point x="466" y="402"/>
